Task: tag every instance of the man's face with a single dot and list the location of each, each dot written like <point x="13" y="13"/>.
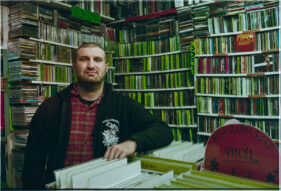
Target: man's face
<point x="90" y="66"/>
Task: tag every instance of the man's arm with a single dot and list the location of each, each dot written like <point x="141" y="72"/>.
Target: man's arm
<point x="146" y="132"/>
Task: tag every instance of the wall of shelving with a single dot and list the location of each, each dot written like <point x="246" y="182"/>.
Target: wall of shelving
<point x="153" y="68"/>
<point x="232" y="83"/>
<point x="229" y="83"/>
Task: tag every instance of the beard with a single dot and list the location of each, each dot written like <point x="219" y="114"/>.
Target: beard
<point x="89" y="81"/>
<point x="90" y="85"/>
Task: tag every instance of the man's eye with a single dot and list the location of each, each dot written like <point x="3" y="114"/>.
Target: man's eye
<point x="82" y="59"/>
<point x="98" y="59"/>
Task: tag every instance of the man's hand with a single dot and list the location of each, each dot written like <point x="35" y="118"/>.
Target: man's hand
<point x="121" y="150"/>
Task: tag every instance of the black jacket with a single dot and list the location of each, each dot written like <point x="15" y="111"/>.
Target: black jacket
<point x="50" y="128"/>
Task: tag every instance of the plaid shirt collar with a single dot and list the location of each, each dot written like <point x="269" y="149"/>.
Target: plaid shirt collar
<point x="74" y="92"/>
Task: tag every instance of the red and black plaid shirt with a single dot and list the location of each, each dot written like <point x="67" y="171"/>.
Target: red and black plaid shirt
<point x="80" y="145"/>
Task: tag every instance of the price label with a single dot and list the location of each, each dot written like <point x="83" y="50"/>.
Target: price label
<point x="85" y="15"/>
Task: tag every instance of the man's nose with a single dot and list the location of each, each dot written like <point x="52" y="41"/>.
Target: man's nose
<point x="91" y="63"/>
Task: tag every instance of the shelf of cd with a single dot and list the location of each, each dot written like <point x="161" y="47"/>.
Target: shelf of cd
<point x="240" y="32"/>
<point x="239" y="75"/>
<point x="146" y="56"/>
<point x="51" y="62"/>
<point x="239" y="116"/>
<point x="60" y="44"/>
<point x="238" y="96"/>
<point x="52" y="42"/>
<point x="182" y="126"/>
<point x="49" y="83"/>
<point x="202" y="4"/>
<point x="177" y="10"/>
<point x="262" y="64"/>
<point x="154" y="90"/>
<point x="170" y="107"/>
<point x="67" y="7"/>
<point x="203" y="133"/>
<point x="153" y="72"/>
<point x="238" y="53"/>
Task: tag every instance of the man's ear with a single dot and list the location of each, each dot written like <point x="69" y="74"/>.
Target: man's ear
<point x="73" y="68"/>
<point x="106" y="65"/>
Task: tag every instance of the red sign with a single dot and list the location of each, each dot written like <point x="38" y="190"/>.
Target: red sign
<point x="243" y="150"/>
<point x="151" y="15"/>
<point x="246" y="42"/>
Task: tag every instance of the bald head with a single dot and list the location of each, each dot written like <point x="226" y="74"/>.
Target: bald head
<point x="86" y="45"/>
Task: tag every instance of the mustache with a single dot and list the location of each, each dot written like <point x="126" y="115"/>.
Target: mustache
<point x="91" y="70"/>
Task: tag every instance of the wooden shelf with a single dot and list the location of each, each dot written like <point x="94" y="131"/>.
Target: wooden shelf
<point x="146" y="56"/>
<point x="239" y="75"/>
<point x="239" y="116"/>
<point x="238" y="96"/>
<point x="152" y="72"/>
<point x="154" y="90"/>
<point x="51" y="62"/>
<point x="240" y="32"/>
<point x="169" y="107"/>
<point x="182" y="126"/>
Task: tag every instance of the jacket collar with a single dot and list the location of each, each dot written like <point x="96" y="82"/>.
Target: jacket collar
<point x="65" y="94"/>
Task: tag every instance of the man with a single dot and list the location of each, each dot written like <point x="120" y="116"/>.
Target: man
<point x="87" y="120"/>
